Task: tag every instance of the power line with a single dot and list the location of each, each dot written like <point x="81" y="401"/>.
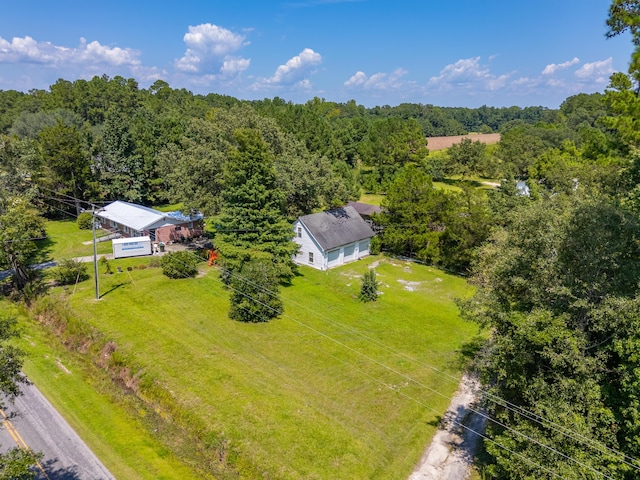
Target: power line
<point x="409" y="378"/>
<point x="516" y="409"/>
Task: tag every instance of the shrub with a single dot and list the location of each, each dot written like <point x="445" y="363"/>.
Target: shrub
<point x="369" y="289"/>
<point x="107" y="266"/>
<point x="375" y="245"/>
<point x="154" y="262"/>
<point x="70" y="271"/>
<point x="179" y="265"/>
<point x="84" y="221"/>
<point x="255" y="297"/>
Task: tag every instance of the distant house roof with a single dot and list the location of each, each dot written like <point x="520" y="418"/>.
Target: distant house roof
<point x="337" y="227"/>
<point x="364" y="209"/>
<point x="139" y="217"/>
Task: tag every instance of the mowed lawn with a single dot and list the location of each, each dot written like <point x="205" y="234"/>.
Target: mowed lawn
<point x="335" y="388"/>
<point x="66" y="240"/>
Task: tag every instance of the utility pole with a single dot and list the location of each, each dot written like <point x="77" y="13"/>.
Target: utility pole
<point x="95" y="251"/>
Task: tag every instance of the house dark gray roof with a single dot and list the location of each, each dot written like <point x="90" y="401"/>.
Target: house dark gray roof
<point x="337" y="227"/>
<point x="364" y="209"/>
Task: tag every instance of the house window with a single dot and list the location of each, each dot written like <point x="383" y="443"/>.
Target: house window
<point x="310" y="257"/>
<point x="126" y="229"/>
<point x="299" y="232"/>
<point x="112" y="223"/>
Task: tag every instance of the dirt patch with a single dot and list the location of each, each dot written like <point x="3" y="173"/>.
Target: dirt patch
<point x="62" y="367"/>
<point x="440" y="143"/>
<point x="409" y="286"/>
<point x="350" y="274"/>
<point x="451" y="452"/>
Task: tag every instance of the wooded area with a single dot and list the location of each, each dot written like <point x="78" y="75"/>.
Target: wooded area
<point x="556" y="266"/>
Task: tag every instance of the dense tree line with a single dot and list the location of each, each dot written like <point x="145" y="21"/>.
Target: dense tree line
<point x="558" y="290"/>
<point x="104" y="139"/>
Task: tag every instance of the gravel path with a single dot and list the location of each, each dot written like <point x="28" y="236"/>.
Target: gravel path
<point x="451" y="453"/>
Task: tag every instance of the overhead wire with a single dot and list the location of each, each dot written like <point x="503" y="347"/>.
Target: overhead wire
<point x="406" y="377"/>
<point x="411" y="379"/>
<point x="518" y="410"/>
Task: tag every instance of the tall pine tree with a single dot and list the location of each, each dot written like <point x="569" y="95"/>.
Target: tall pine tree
<point x="252" y="224"/>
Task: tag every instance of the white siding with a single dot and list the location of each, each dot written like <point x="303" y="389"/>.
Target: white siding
<point x="307" y="245"/>
<point x="363" y="248"/>
<point x="323" y="260"/>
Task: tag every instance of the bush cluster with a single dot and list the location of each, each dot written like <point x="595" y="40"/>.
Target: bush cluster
<point x="84" y="221"/>
<point x="70" y="271"/>
<point x="179" y="265"/>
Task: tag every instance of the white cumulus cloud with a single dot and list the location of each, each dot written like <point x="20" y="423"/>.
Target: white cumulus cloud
<point x="209" y="51"/>
<point x="554" y="67"/>
<point x="377" y="81"/>
<point x="462" y="71"/>
<point x="28" y="50"/>
<point x="356" y="80"/>
<point x="598" y="72"/>
<point x="297" y="68"/>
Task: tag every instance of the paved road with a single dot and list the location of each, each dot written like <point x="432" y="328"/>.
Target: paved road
<point x="32" y="421"/>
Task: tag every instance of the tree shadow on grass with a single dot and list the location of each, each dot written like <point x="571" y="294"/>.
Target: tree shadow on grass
<point x="436" y="422"/>
<point x="45" y="247"/>
<point x="469" y="352"/>
<point x="114" y="287"/>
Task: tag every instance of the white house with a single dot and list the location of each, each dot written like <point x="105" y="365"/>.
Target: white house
<point x="331" y="238"/>
<point x="132" y="220"/>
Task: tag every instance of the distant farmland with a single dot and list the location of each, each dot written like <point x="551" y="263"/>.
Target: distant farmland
<point x="440" y="143"/>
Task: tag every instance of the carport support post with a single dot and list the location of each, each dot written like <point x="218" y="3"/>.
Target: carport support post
<point x="95" y="251"/>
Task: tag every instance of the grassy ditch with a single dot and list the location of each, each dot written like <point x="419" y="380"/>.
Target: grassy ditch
<point x="334" y="388"/>
<point x="117" y="427"/>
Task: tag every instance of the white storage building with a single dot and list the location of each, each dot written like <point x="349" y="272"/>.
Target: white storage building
<point x="131" y="247"/>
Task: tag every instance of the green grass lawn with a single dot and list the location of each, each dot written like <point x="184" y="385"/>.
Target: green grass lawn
<point x="122" y="443"/>
<point x="371" y="198"/>
<point x="333" y="389"/>
<point x="170" y="207"/>
<point x="66" y="240"/>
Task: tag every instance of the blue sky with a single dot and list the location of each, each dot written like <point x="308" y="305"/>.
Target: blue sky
<point x="377" y="52"/>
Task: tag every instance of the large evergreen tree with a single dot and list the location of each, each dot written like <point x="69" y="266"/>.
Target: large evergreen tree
<point x="252" y="224"/>
<point x="412" y="216"/>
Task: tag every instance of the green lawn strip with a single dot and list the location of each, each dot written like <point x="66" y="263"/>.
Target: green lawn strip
<point x="334" y="387"/>
<point x="171" y="207"/>
<point x="117" y="438"/>
<point x="371" y="198"/>
<point x="66" y="240"/>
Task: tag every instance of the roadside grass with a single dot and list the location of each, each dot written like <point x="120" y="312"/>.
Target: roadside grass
<point x="335" y="388"/>
<point x="90" y="404"/>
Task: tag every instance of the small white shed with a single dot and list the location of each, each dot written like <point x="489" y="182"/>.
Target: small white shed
<point x="131" y="247"/>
